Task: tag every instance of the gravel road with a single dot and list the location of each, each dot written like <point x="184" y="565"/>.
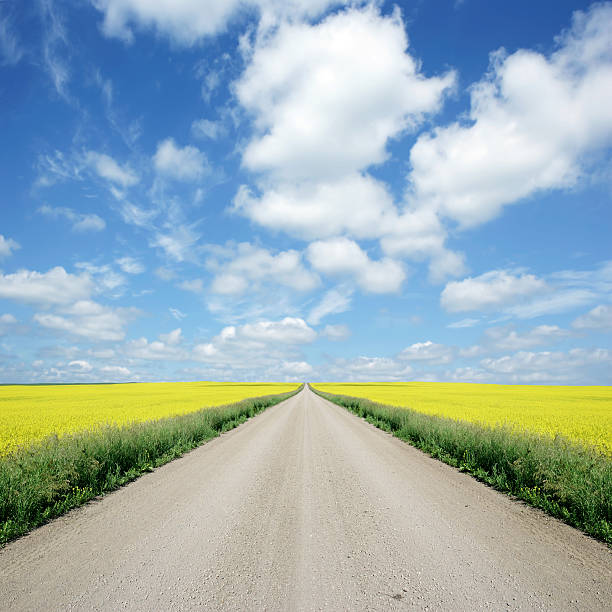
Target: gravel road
<point x="305" y="507"/>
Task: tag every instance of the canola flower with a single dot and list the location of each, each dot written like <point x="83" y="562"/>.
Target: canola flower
<point x="29" y="413"/>
<point x="581" y="414"/>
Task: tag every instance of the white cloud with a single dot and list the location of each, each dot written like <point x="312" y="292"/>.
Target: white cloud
<point x="336" y="333"/>
<point x="54" y="46"/>
<point x="7" y="246"/>
<point x="334" y="301"/>
<point x="204" y="128"/>
<point x="195" y="286"/>
<point x="135" y="215"/>
<point x="56" y="167"/>
<point x="105" y="277"/>
<point x="463" y="323"/>
<point x="116" y="371"/>
<point x="186" y="22"/>
<point x="172" y="338"/>
<point x="582" y="366"/>
<point x="341" y="257"/>
<point x="559" y="301"/>
<point x="366" y="369"/>
<point x="107" y="168"/>
<point x="289" y="330"/>
<point x="491" y="290"/>
<point x="186" y="164"/>
<point x="248" y="267"/>
<point x="296" y="368"/>
<point x="508" y="339"/>
<point x="11" y="50"/>
<point x="81" y="222"/>
<point x="129" y="265"/>
<point x="263" y="343"/>
<point x="177" y="314"/>
<point x="158" y="350"/>
<point x="427" y="351"/>
<point x="356" y="204"/>
<point x="599" y="318"/>
<point x="532" y="121"/>
<point x="80" y="365"/>
<point x="89" y="320"/>
<point x="47" y="288"/>
<point x="327" y="98"/>
<point x="178" y="243"/>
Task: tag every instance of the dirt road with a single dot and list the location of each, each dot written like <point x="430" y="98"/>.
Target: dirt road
<point x="305" y="507"/>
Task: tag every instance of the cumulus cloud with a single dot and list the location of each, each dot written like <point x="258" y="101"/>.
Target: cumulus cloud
<point x="105" y="278"/>
<point x="186" y="164"/>
<point x="80" y="365"/>
<point x="81" y="222"/>
<point x="326" y="98"/>
<point x="88" y="319"/>
<point x="533" y="119"/>
<point x="116" y="371"/>
<point x="342" y="257"/>
<point x="427" y="351"/>
<point x="107" y="168"/>
<point x="289" y="330"/>
<point x="7" y="246"/>
<point x="172" y="338"/>
<point x="45" y="288"/>
<point x="366" y="369"/>
<point x="264" y="341"/>
<point x="356" y="204"/>
<point x="248" y="267"/>
<point x="164" y="349"/>
<point x="582" y="366"/>
<point x="508" y="339"/>
<point x="491" y="290"/>
<point x="599" y="318"/>
<point x="296" y="368"/>
<point x="186" y="22"/>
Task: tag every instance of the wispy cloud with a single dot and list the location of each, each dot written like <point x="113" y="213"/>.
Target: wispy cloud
<point x="81" y="222"/>
<point x="11" y="50"/>
<point x="55" y="47"/>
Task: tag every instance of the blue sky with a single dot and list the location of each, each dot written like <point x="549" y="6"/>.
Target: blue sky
<point x="305" y="190"/>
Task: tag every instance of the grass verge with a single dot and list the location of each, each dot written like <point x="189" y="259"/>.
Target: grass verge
<point x="50" y="477"/>
<point x="569" y="481"/>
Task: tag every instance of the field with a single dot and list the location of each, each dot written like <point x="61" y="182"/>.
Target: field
<point x="107" y="436"/>
<point x="495" y="433"/>
<point x="29" y="413"/>
<point x="581" y="414"/>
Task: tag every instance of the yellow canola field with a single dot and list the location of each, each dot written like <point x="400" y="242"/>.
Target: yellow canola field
<point x="583" y="414"/>
<point x="31" y="412"/>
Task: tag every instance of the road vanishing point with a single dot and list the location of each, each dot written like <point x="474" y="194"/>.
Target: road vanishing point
<point x="305" y="507"/>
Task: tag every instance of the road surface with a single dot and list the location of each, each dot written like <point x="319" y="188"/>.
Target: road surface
<point x="305" y="507"/>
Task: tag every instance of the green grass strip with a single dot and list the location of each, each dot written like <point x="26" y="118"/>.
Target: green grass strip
<point x="50" y="477"/>
<point x="569" y="481"/>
